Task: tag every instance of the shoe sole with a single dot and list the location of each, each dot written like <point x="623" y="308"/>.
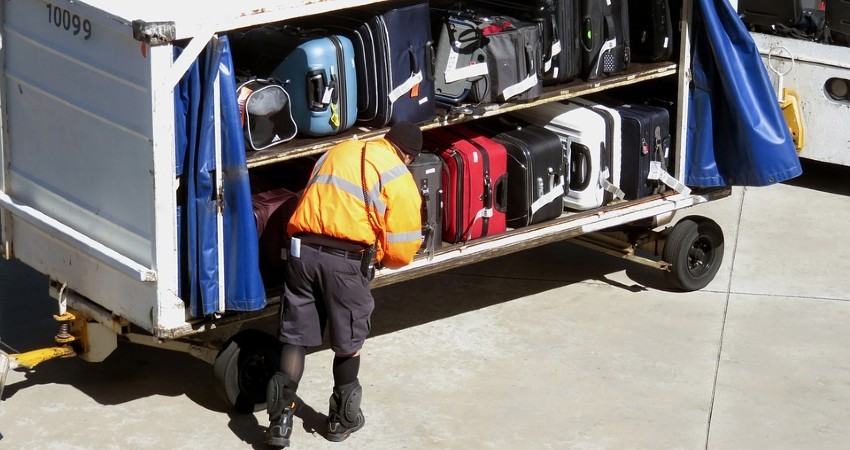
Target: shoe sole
<point x="278" y="442"/>
<point x="343" y="436"/>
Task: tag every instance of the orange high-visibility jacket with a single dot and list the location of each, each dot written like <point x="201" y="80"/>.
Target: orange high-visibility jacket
<point x="332" y="204"/>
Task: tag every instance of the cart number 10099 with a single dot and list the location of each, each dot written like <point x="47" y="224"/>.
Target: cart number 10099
<point x="62" y="18"/>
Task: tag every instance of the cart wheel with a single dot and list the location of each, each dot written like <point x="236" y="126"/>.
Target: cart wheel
<point x="694" y="249"/>
<point x="244" y="367"/>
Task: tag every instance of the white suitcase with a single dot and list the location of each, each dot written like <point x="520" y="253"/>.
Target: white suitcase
<point x="613" y="158"/>
<point x="585" y="134"/>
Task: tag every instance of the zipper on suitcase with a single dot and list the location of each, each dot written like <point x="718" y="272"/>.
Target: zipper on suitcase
<point x="459" y="207"/>
<point x="488" y="187"/>
<point x="341" y="84"/>
<point x="384" y="33"/>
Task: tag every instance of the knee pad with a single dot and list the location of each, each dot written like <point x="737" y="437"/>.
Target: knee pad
<point x="350" y="396"/>
<point x="280" y="393"/>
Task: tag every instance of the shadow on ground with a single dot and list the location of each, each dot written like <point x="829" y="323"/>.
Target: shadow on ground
<point x="133" y="371"/>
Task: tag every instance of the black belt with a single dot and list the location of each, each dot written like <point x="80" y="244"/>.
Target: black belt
<point x="357" y="256"/>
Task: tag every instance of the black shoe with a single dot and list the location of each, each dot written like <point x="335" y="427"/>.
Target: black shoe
<point x="281" y="429"/>
<point x="345" y="416"/>
<point x="338" y="432"/>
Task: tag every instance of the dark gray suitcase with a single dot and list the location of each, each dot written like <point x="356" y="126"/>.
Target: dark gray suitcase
<point x="558" y="20"/>
<point x="427" y="171"/>
<point x="513" y="57"/>
<point x="460" y="58"/>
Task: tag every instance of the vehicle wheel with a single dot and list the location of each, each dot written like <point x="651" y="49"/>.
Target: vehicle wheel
<point x="694" y="249"/>
<point x="244" y="367"/>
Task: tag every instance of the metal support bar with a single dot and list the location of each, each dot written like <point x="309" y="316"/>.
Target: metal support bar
<point x="619" y="249"/>
<point x="203" y="353"/>
<point x="86" y="245"/>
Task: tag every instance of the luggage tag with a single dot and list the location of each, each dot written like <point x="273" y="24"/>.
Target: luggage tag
<point x="327" y="95"/>
<point x="414" y="80"/>
<point x="656" y="172"/>
<point x="556" y="50"/>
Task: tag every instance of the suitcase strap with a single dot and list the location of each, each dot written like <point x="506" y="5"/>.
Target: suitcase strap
<point x="454" y="73"/>
<point x="556" y="191"/>
<point x="483" y="213"/>
<point x="415" y="78"/>
<point x="656" y="172"/>
<point x="529" y="82"/>
<point x="429" y="229"/>
<point x="610" y="187"/>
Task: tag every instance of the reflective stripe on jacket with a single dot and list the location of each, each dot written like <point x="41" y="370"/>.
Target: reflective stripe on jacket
<point x="333" y="205"/>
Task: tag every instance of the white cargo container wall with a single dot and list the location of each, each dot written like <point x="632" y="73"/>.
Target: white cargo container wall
<point x="89" y="142"/>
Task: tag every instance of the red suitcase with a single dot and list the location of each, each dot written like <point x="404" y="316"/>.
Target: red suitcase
<point x="474" y="182"/>
<point x="272" y="210"/>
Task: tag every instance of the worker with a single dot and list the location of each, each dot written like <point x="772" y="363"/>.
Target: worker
<point x="361" y="207"/>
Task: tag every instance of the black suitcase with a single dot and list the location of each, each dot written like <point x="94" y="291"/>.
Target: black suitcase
<point x="763" y="15"/>
<point x="558" y="21"/>
<point x="651" y="32"/>
<point x="536" y="170"/>
<point x="427" y="171"/>
<point x="604" y="31"/>
<point x="837" y="17"/>
<point x="646" y="140"/>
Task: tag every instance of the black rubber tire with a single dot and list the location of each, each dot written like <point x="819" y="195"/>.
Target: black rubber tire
<point x="244" y="367"/>
<point x="694" y="249"/>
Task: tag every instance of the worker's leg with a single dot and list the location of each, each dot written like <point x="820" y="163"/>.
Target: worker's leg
<point x="349" y="304"/>
<point x="280" y="401"/>
<point x="300" y="326"/>
<point x="345" y="415"/>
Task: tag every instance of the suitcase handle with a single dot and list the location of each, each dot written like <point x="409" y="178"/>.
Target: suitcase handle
<point x="501" y="197"/>
<point x="587" y="34"/>
<point x="579" y="166"/>
<point x="549" y="35"/>
<point x="431" y="57"/>
<point x="316" y="86"/>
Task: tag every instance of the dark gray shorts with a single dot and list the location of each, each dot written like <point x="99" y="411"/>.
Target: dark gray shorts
<point x="326" y="290"/>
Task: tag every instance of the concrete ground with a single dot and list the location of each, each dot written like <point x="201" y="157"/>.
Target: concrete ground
<point x="557" y="347"/>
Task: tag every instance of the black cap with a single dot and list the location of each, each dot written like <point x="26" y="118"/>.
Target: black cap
<point x="407" y="137"/>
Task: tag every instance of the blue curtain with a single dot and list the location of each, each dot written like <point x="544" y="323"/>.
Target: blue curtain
<point x="197" y="212"/>
<point x="245" y="291"/>
<point x="187" y="96"/>
<point x="737" y="134"/>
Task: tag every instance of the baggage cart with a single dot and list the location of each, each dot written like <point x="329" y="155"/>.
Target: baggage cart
<point x="89" y="183"/>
